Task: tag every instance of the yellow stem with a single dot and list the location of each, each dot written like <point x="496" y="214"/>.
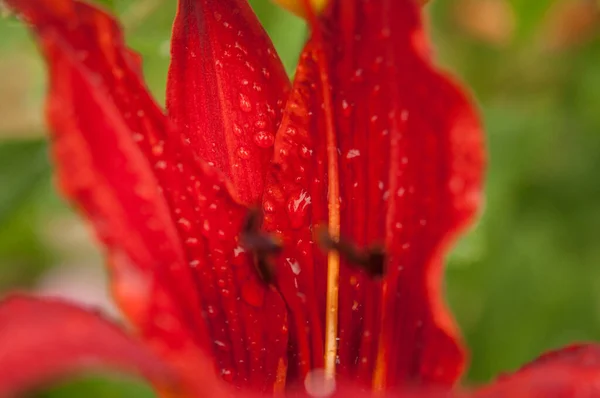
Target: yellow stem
<point x="333" y="195"/>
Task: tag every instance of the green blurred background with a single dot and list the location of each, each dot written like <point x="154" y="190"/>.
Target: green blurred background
<point x="525" y="279"/>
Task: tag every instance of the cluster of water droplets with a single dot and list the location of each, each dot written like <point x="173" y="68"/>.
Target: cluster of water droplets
<point x="256" y="117"/>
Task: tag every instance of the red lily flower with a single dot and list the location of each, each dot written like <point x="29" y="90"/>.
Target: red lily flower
<point x="373" y="155"/>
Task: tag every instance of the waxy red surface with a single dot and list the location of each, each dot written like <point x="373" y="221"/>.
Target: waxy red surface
<point x="370" y="141"/>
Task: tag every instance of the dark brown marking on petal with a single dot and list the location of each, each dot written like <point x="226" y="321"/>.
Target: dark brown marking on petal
<point x="371" y="260"/>
<point x="262" y="245"/>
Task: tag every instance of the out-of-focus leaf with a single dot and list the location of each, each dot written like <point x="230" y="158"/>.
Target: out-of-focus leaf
<point x="23" y="166"/>
<point x="287" y="31"/>
<point x="530" y="15"/>
<point x="97" y="387"/>
<point x="108" y="4"/>
<point x="24" y="173"/>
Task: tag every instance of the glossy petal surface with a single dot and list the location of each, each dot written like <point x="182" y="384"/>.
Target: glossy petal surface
<point x="167" y="218"/>
<point x="100" y="112"/>
<point x="567" y="373"/>
<point x="226" y="90"/>
<point x="42" y="340"/>
<point x="371" y="120"/>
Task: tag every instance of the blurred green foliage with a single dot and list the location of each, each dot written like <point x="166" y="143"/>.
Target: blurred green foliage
<point x="524" y="280"/>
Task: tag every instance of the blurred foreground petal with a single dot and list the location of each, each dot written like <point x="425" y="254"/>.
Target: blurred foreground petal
<point x="42" y="340"/>
<point x="572" y="372"/>
<point x="167" y="218"/>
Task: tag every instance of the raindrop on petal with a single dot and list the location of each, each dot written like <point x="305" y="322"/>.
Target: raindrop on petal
<point x="245" y="104"/>
<point x="264" y="139"/>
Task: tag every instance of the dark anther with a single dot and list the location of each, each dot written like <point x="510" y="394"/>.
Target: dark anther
<point x="371" y="260"/>
<point x="262" y="245"/>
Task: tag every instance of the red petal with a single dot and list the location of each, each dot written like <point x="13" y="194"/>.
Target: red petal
<point x="226" y="89"/>
<point x="567" y="373"/>
<point x="98" y="109"/>
<point x="42" y="340"/>
<point x="168" y="221"/>
<point x="406" y="147"/>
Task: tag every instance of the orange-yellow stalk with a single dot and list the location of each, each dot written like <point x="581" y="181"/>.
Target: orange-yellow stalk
<point x="333" y="194"/>
<point x="297" y="6"/>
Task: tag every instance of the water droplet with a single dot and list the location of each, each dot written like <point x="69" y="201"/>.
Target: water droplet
<point x="245" y="104"/>
<point x="297" y="207"/>
<point x="301" y="296"/>
<point x="227" y="374"/>
<point x="243" y="153"/>
<point x="158" y="148"/>
<point x="264" y="139"/>
<point x="377" y="64"/>
<point x="346" y="109"/>
<point x="358" y="75"/>
<point x="353" y="153"/>
<point x="241" y="48"/>
<point x="291" y="131"/>
<point x="221" y="345"/>
<point x="239" y="257"/>
<point x="192" y="242"/>
<point x="268" y="206"/>
<point x="253" y="293"/>
<point x="237" y="130"/>
<point x="260" y="124"/>
<point x="249" y="66"/>
<point x="294" y="265"/>
<point x="185" y="224"/>
<point x="211" y="311"/>
<point x="305" y="152"/>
